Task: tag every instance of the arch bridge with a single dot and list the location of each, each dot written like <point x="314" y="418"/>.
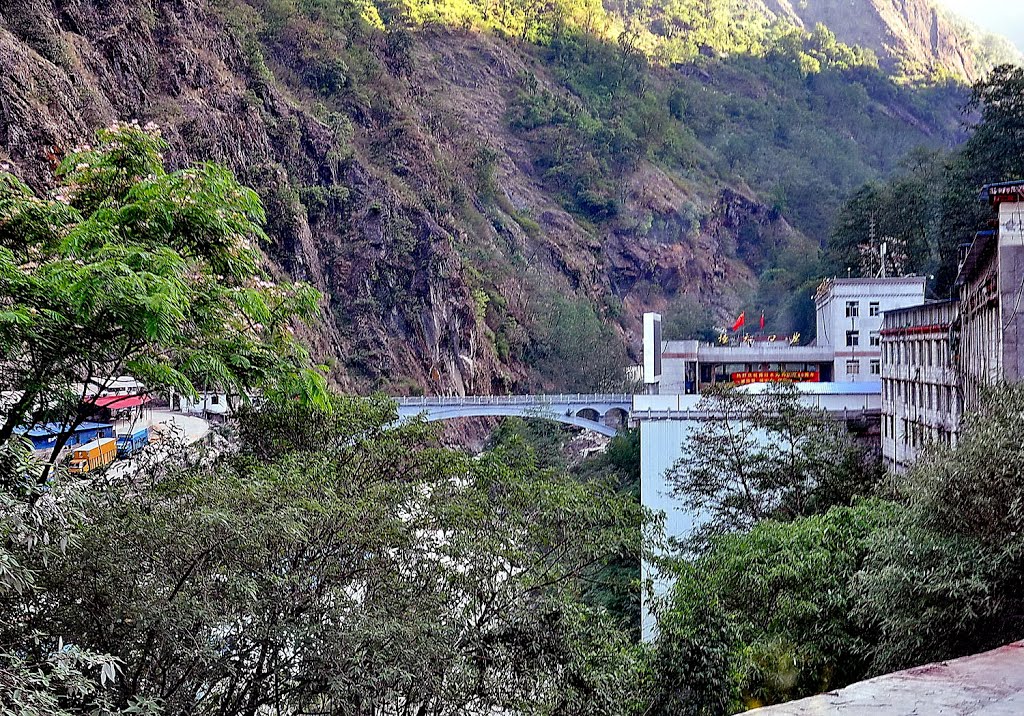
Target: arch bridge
<point x="601" y="412"/>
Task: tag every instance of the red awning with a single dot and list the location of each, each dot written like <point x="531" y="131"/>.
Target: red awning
<point x="120" y="402"/>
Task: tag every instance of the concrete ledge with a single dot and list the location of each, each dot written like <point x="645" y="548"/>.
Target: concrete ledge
<point x="988" y="684"/>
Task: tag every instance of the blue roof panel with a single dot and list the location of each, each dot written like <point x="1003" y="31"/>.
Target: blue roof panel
<point x="39" y="431"/>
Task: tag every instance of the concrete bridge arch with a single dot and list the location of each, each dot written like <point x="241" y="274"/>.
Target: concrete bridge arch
<point x="601" y="413"/>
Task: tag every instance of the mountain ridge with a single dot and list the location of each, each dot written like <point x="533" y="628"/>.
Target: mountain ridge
<point x="485" y="210"/>
<point x="914" y="32"/>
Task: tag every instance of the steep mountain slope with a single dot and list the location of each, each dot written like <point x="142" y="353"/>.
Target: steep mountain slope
<point x="484" y="212"/>
<point x="912" y="32"/>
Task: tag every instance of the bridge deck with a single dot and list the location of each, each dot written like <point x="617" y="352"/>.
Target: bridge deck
<point x="582" y="399"/>
<point x="565" y="408"/>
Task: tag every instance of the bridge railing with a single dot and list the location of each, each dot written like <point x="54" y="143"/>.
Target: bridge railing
<point x="650" y="414"/>
<point x="557" y="399"/>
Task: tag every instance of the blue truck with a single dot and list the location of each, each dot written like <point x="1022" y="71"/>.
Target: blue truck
<point x="128" y="445"/>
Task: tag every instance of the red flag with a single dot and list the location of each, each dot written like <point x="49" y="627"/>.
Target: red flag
<point x="762" y="320"/>
<point x="740" y="321"/>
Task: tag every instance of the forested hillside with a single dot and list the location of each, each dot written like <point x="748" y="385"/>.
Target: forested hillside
<point x="488" y="193"/>
<point x="929" y="208"/>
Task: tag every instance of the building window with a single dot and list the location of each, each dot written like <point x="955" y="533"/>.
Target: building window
<point x="853" y="338"/>
<point x="852" y="367"/>
<point x="852" y="309"/>
<point x="875" y="338"/>
<point x="215" y="399"/>
<point x="876" y="366"/>
<point x="874" y="309"/>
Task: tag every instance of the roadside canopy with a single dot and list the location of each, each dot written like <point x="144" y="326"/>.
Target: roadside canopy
<point x="120" y="402"/>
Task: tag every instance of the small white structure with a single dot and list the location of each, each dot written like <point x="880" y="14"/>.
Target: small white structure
<point x="652" y="351"/>
<point x="207" y="403"/>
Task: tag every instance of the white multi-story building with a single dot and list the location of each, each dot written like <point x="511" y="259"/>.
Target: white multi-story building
<point x="847" y="349"/>
<point x="939" y="358"/>
<point x="921" y="394"/>
<point x="849" y="319"/>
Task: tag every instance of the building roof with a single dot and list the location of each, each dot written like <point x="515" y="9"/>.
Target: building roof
<point x="918" y="307"/>
<point x="48" y="429"/>
<point x="831" y="286"/>
<point x="876" y="280"/>
<point x="981" y="248"/>
<point x="1001" y="192"/>
<point x="120" y="402"/>
<point x="765" y="353"/>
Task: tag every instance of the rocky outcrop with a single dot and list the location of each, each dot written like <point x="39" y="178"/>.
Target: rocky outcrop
<point x="391" y="179"/>
<point x="398" y="307"/>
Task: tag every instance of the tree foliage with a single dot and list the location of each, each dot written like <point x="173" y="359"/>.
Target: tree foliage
<point x="687" y="319"/>
<point x="795" y="607"/>
<point x="125" y="267"/>
<point x="574" y="346"/>
<point x="691" y="662"/>
<point x="944" y="583"/>
<point x="339" y="563"/>
<point x="783" y="599"/>
<point x="41" y="673"/>
<point x="930" y="207"/>
<point x="759" y="456"/>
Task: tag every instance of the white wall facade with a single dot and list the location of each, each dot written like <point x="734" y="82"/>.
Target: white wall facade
<point x="849" y="319"/>
<point x="661" y="445"/>
<point x="920" y="385"/>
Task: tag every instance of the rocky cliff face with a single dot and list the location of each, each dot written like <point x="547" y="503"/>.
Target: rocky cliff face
<point x="390" y="176"/>
<point x="397" y="301"/>
<point x="369" y="205"/>
<point x="899" y="31"/>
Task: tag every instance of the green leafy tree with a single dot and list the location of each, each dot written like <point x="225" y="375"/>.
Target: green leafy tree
<point x="41" y="673"/>
<point x="930" y="207"/>
<point x="686" y="318"/>
<point x="766" y="456"/>
<point x="993" y="153"/>
<point x="616" y="586"/>
<point x="770" y="615"/>
<point x="691" y="661"/>
<point x="903" y="212"/>
<point x="125" y="267"/>
<point x="945" y="582"/>
<point x="574" y="349"/>
<point x="340" y="563"/>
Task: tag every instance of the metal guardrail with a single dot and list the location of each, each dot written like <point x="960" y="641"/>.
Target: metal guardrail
<point x="539" y="400"/>
<point x="654" y="414"/>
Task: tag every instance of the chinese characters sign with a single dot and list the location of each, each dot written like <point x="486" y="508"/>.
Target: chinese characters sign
<point x="770" y="376"/>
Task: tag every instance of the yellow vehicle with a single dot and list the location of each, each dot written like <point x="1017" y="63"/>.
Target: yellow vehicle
<point x="93" y="455"/>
